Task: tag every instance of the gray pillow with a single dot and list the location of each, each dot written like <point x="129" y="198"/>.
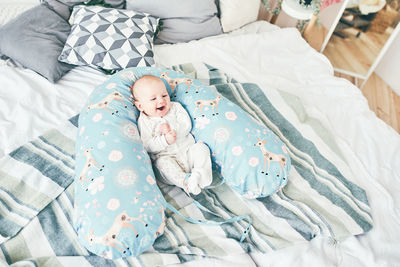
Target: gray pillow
<point x="181" y="20"/>
<point x="60" y="8"/>
<point x="110" y="3"/>
<point x="64" y="7"/>
<point x="35" y="39"/>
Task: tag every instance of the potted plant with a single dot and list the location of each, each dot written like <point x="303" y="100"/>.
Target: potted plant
<point x="303" y="10"/>
<point x="314" y="5"/>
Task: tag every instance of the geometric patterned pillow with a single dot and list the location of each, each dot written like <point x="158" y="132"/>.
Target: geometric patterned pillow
<point x="108" y="38"/>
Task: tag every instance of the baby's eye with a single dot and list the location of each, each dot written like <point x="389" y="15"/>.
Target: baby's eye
<point x="165" y="95"/>
<point x="153" y="99"/>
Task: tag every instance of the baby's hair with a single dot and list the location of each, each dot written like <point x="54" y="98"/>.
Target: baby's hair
<point x="144" y="78"/>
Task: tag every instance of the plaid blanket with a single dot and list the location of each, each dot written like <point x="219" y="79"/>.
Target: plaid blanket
<point x="37" y="195"/>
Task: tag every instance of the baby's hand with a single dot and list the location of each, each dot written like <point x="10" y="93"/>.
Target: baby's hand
<point x="164" y="128"/>
<point x="170" y="137"/>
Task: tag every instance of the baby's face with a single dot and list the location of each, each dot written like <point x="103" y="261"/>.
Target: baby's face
<point x="152" y="98"/>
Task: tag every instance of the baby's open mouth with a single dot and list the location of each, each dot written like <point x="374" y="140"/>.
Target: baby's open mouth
<point x="161" y="108"/>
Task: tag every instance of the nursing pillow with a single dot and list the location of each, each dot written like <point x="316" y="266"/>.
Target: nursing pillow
<point x="249" y="157"/>
<point x="119" y="209"/>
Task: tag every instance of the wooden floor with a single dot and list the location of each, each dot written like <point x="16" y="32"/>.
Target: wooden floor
<point x="381" y="98"/>
<point x="355" y="54"/>
<point x="383" y="101"/>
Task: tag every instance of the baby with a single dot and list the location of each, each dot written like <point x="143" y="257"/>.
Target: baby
<point x="165" y="132"/>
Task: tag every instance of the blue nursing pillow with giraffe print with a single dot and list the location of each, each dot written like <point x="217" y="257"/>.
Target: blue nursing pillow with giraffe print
<point x="249" y="157"/>
<point x="119" y="209"/>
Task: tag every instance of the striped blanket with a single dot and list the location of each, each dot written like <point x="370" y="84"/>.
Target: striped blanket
<point x="37" y="196"/>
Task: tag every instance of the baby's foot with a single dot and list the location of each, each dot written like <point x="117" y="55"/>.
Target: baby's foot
<point x="205" y="178"/>
<point x="193" y="183"/>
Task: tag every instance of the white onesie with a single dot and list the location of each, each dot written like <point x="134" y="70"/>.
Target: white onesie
<point x="184" y="163"/>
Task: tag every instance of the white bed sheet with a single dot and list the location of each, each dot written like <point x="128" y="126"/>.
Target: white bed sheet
<point x="29" y="105"/>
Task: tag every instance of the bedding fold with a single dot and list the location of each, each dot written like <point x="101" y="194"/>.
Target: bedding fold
<point x="320" y="199"/>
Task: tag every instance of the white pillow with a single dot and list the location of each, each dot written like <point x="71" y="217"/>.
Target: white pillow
<point x="10" y="9"/>
<point x="237" y="13"/>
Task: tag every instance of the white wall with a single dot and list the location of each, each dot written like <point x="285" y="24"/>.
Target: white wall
<point x="389" y="67"/>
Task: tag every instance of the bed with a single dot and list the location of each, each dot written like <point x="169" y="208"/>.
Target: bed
<point x="340" y="207"/>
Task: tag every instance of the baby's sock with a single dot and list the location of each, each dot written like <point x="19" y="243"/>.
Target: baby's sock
<point x="205" y="178"/>
<point x="193" y="183"/>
